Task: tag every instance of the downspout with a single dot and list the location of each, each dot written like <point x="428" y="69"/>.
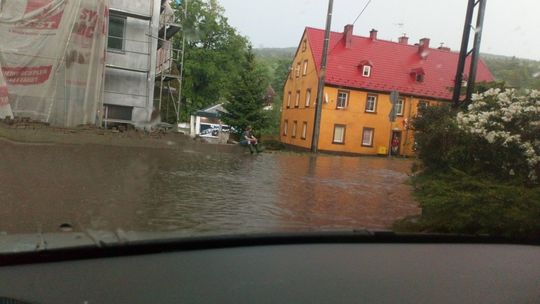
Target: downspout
<point x="409" y="122"/>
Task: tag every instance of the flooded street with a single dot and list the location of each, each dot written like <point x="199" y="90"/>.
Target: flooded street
<point x="196" y="189"/>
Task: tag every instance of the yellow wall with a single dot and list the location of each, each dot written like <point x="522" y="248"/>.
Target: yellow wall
<point x="356" y="119"/>
<point x="301" y="113"/>
<point x="354" y="116"/>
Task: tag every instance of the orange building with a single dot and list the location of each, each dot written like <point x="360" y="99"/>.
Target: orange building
<point x="361" y="74"/>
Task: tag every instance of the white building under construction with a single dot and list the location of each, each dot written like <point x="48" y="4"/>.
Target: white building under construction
<point x="85" y="62"/>
<point x="138" y="55"/>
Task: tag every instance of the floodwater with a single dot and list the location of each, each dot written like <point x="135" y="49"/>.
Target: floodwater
<point x="196" y="190"/>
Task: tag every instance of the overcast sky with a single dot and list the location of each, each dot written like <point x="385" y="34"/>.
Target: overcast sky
<point x="511" y="27"/>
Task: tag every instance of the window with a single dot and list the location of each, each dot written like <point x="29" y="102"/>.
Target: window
<point x="117" y="29"/>
<point x="297" y="70"/>
<point x="297" y="100"/>
<point x="339" y="134"/>
<point x="367" y="137"/>
<point x="399" y="106"/>
<point x="366" y="71"/>
<point x="308" y="97"/>
<point x="289" y="99"/>
<point x="117" y="112"/>
<point x="304" y="45"/>
<point x="304" y="70"/>
<point x="304" y="130"/>
<point x="293" y="132"/>
<point x="418" y="74"/>
<point x="285" y="127"/>
<point x="342" y="99"/>
<point x="371" y="103"/>
<point x="422" y="105"/>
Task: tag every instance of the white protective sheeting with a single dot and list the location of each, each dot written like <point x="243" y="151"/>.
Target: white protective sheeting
<point x="52" y="59"/>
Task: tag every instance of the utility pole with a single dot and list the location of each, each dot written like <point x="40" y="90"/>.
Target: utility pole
<point x="464" y="52"/>
<point x="322" y="75"/>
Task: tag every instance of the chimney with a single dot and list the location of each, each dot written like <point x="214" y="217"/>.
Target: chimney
<point x="423" y="47"/>
<point x="347" y="35"/>
<point x="373" y="34"/>
<point x="403" y="40"/>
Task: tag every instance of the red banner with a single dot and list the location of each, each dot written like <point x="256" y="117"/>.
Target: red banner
<point x="3" y="96"/>
<point x="45" y="22"/>
<point x="27" y="75"/>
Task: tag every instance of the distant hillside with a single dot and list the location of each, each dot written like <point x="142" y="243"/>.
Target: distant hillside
<point x="282" y="53"/>
<point x="516" y="72"/>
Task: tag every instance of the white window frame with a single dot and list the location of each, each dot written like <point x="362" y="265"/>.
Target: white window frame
<point x="298" y="70"/>
<point x="294" y="127"/>
<point x="304" y="130"/>
<point x="297" y="99"/>
<point x="374" y="109"/>
<point x="289" y="99"/>
<point x="367" y="141"/>
<point x="402" y="108"/>
<point x="122" y="38"/>
<point x="308" y="98"/>
<point x="304" y="69"/>
<point x="342" y="139"/>
<point x="340" y="103"/>
<point x="366" y="71"/>
<point x="285" y="127"/>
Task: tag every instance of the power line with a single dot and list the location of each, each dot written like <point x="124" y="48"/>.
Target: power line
<point x="365" y="6"/>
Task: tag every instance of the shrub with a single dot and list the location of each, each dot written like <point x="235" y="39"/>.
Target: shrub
<point x="455" y="202"/>
<point x="497" y="136"/>
<point x="509" y="123"/>
<point x="480" y="166"/>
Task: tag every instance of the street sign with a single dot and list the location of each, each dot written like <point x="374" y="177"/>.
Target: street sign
<point x="394" y="96"/>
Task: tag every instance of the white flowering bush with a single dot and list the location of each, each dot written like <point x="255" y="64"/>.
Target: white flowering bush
<point x="509" y="123"/>
<point x="479" y="169"/>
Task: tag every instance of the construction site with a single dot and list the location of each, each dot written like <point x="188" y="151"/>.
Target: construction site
<point x="92" y="64"/>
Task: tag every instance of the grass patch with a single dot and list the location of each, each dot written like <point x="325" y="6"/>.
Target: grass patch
<point x="456" y="202"/>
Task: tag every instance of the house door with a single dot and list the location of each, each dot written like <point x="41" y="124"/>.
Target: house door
<point x="395" y="147"/>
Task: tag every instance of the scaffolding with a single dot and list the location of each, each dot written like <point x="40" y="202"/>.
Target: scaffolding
<point x="160" y="68"/>
<point x="168" y="72"/>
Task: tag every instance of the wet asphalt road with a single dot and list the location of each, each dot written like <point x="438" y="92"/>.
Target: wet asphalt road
<point x="196" y="189"/>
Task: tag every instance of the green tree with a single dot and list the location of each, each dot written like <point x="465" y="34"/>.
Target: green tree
<point x="214" y="53"/>
<point x="480" y="166"/>
<point x="281" y="70"/>
<point x="516" y="72"/>
<point x="246" y="99"/>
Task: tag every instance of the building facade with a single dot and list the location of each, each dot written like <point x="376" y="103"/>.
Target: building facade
<point x="361" y="74"/>
<point x="135" y="57"/>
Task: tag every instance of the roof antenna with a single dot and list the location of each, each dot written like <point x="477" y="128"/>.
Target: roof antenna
<point x="361" y="12"/>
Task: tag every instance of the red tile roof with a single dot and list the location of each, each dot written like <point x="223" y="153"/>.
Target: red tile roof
<point x="392" y="63"/>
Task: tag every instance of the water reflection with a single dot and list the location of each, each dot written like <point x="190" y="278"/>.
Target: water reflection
<point x="196" y="189"/>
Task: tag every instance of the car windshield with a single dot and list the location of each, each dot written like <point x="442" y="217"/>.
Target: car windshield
<point x="213" y="117"/>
